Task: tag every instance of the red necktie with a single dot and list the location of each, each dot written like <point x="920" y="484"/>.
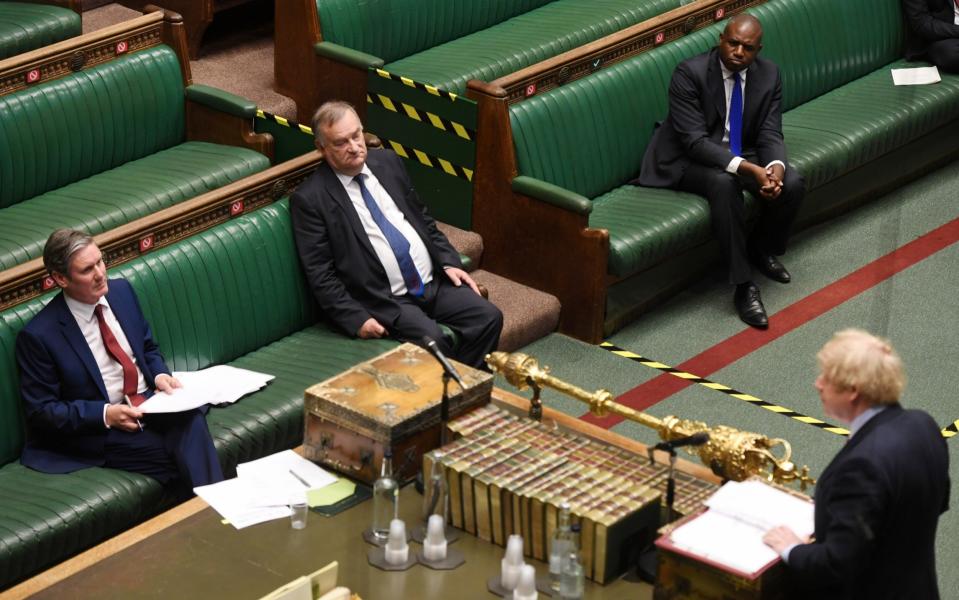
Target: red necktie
<point x="113" y="347"/>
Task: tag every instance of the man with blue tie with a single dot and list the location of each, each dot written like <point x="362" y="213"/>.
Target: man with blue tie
<point x="932" y="32"/>
<point x="87" y="360"/>
<point x="723" y="134"/>
<point x="375" y="260"/>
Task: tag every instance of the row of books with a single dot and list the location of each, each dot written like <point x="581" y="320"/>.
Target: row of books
<point x="508" y="475"/>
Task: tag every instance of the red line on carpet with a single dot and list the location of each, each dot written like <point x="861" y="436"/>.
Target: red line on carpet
<point x="792" y="317"/>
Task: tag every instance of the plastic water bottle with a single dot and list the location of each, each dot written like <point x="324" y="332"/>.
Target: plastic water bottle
<point x="385" y="495"/>
<point x="560" y="546"/>
<point x="572" y="578"/>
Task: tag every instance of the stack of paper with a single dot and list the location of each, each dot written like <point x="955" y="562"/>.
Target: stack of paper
<point x="740" y="513"/>
<point x="221" y="384"/>
<point x="262" y="489"/>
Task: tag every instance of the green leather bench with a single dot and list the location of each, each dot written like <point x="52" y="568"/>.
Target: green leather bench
<point x="444" y="43"/>
<point x="98" y="146"/>
<point x="232" y="294"/>
<point x="847" y="128"/>
<point x="26" y="26"/>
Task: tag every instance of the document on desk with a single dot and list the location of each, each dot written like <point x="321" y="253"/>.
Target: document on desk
<point x="285" y="473"/>
<point x="262" y="489"/>
<point x="740" y="513"/>
<point x="241" y="502"/>
<point x="916" y="76"/>
<point x="220" y="384"/>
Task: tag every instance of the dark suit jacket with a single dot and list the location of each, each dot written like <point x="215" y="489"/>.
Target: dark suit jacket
<point x="877" y="506"/>
<point x="693" y="129"/>
<point x="928" y="21"/>
<point x="346" y="276"/>
<point x="62" y="388"/>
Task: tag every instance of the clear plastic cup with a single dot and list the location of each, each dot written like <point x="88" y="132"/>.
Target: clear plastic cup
<point x="298" y="510"/>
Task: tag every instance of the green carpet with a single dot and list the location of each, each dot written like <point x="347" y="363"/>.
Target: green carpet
<point x="915" y="308"/>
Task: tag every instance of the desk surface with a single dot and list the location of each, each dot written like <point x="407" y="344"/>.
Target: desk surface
<point x="200" y="557"/>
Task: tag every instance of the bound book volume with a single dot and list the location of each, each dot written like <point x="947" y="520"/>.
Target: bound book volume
<point x="508" y="475"/>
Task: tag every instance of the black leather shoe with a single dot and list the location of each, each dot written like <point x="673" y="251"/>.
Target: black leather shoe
<point x="770" y="266"/>
<point x="750" y="306"/>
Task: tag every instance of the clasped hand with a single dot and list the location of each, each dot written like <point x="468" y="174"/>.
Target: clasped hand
<point x="769" y="180"/>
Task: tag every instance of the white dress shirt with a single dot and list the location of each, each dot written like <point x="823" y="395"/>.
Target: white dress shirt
<point x="955" y="12"/>
<point x="733" y="166"/>
<point x="418" y="251"/>
<point x="110" y="369"/>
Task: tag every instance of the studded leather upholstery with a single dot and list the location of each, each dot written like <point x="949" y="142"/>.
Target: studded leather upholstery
<point x="233" y="294"/>
<point x="25" y="26"/>
<point x="841" y="111"/>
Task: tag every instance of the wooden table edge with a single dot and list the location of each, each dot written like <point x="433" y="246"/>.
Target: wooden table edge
<point x="122" y="541"/>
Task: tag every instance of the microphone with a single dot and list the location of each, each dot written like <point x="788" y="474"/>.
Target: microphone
<point x="430" y="344"/>
<point x="697" y="439"/>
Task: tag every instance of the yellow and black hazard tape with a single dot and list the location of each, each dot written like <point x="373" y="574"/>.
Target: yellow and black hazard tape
<point x="451" y="127"/>
<point x="405" y="151"/>
<point x="429" y="160"/>
<point x="284" y="122"/>
<point x="780" y="410"/>
<point x="951" y="430"/>
<point x="429" y="89"/>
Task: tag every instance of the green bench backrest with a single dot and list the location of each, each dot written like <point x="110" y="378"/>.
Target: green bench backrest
<point x="589" y="136"/>
<point x="64" y="130"/>
<point x="210" y="298"/>
<point x="25" y="26"/>
<point x="394" y="29"/>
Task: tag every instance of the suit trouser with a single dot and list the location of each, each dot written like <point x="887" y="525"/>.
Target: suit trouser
<point x="727" y="213"/>
<point x="474" y="318"/>
<point x="171" y="446"/>
<point x="944" y="54"/>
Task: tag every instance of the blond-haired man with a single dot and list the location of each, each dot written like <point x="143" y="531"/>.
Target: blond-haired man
<point x="879" y="500"/>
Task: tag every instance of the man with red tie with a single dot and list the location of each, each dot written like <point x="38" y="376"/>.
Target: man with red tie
<point x="932" y="32"/>
<point x="87" y="360"/>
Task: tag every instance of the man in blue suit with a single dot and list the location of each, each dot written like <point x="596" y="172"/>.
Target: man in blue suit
<point x="879" y="500"/>
<point x="86" y="361"/>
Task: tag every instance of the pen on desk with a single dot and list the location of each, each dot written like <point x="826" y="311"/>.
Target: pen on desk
<point x="298" y="478"/>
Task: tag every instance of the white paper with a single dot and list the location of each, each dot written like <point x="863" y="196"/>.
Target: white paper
<point x="740" y="513"/>
<point x="285" y="473"/>
<point x="916" y="76"/>
<point x="237" y="501"/>
<point x="220" y="384"/>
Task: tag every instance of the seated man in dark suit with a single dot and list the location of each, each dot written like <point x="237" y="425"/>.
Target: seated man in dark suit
<point x="374" y="258"/>
<point x="87" y="359"/>
<point x="932" y="32"/>
<point x="879" y="500"/>
<point x="724" y="134"/>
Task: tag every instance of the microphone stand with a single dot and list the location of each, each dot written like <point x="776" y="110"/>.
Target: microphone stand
<point x="445" y="409"/>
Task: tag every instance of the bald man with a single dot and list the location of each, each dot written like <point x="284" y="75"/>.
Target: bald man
<point x="723" y="134"/>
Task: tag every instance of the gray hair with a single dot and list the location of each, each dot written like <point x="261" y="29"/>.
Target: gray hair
<point x="328" y="113"/>
<point x="60" y="248"/>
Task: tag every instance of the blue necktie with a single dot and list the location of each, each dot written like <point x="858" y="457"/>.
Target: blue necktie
<point x="736" y="117"/>
<point x="398" y="242"/>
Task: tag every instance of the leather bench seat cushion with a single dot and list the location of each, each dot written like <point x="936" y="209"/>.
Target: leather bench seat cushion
<point x="865" y="119"/>
<point x="272" y="419"/>
<point x="25" y="26"/>
<point x="524" y="40"/>
<point x="394" y="29"/>
<point x="122" y="194"/>
<point x="648" y="224"/>
<point x="232" y="294"/>
<point x="46" y="518"/>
